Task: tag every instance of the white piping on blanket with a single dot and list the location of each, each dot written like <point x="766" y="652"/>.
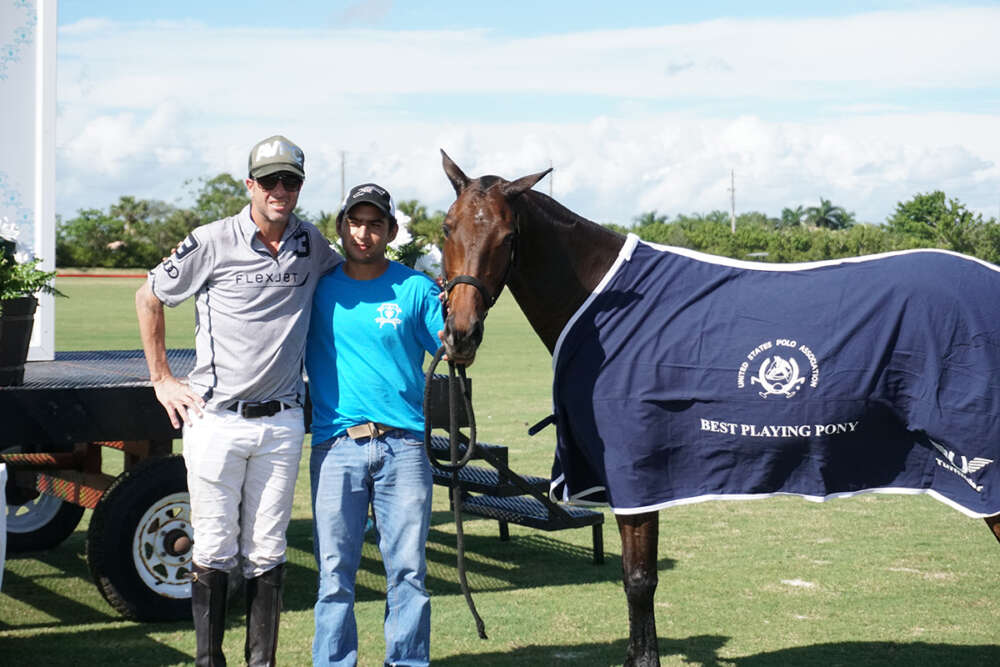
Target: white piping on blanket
<point x="803" y="266"/>
<point x="816" y="499"/>
<point x="579" y="499"/>
<point x="624" y="255"/>
<point x="632" y="241"/>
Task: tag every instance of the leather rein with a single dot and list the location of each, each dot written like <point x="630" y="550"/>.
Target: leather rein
<point x="459" y="398"/>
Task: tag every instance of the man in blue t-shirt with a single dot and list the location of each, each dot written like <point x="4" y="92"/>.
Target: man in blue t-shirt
<point x="372" y="321"/>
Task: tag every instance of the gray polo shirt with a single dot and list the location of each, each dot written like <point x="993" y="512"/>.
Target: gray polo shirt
<point x="251" y="309"/>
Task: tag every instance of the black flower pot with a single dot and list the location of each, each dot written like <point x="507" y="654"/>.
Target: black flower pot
<point x="16" y="322"/>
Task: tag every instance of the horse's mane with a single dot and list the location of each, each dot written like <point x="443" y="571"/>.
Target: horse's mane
<point x="551" y="209"/>
<point x="541" y="206"/>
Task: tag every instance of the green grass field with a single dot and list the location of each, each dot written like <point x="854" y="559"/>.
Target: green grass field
<point x="875" y="580"/>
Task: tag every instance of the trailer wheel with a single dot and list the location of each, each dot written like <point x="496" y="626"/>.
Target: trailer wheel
<point x="41" y="523"/>
<point x="139" y="542"/>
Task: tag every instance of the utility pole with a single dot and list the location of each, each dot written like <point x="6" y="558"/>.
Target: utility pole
<point x="343" y="192"/>
<point x="732" y="200"/>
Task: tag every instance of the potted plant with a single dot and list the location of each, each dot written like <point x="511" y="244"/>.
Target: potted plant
<point x="20" y="281"/>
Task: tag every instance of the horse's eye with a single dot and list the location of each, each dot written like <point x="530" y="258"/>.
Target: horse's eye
<point x="446" y="230"/>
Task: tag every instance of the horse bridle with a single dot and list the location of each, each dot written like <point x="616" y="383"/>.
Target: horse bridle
<point x="488" y="299"/>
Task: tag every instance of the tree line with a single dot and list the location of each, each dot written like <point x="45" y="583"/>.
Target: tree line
<point x="140" y="232"/>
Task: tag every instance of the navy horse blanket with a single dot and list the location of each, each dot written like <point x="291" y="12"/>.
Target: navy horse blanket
<point x="687" y="377"/>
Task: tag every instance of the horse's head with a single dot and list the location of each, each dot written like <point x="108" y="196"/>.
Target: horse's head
<point x="480" y="248"/>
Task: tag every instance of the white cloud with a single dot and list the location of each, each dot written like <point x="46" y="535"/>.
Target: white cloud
<point x="364" y="12"/>
<point x="792" y="59"/>
<point x="143" y="107"/>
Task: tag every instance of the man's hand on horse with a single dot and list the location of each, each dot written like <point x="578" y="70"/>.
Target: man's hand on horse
<point x="444" y="357"/>
<point x="443" y="298"/>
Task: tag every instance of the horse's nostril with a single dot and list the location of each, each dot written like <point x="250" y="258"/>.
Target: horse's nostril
<point x="477" y="332"/>
<point x="462" y="344"/>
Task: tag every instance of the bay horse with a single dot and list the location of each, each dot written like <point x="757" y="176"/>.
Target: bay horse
<point x="554" y="262"/>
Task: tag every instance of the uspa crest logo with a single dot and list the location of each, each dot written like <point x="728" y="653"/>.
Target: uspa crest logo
<point x="779" y="367"/>
<point x="388" y="313"/>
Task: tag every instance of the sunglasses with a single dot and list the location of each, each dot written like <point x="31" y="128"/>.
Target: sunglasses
<point x="291" y="182"/>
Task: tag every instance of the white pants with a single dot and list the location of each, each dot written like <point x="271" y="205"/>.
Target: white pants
<point x="241" y="475"/>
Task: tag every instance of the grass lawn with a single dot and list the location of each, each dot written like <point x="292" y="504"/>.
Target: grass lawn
<point x="875" y="580"/>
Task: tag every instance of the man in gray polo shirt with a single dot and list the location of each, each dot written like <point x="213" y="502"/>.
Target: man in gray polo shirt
<point x="253" y="276"/>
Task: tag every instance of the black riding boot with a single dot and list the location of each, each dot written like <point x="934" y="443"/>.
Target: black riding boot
<point x="263" y="610"/>
<point x="208" y="604"/>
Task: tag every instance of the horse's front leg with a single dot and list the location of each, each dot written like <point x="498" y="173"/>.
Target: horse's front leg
<point x="994" y="524"/>
<point x="639" y="533"/>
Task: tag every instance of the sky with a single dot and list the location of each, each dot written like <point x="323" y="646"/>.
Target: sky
<point x="638" y="106"/>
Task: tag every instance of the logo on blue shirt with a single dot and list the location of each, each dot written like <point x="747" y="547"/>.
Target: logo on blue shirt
<point x="388" y="313"/>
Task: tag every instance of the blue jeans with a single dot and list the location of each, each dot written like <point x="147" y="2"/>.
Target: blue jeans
<point x="392" y="474"/>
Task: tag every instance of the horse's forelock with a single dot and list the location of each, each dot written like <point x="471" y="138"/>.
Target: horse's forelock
<point x="479" y="190"/>
<point x="484" y="183"/>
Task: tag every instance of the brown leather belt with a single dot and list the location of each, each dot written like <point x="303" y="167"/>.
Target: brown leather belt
<point x="369" y="430"/>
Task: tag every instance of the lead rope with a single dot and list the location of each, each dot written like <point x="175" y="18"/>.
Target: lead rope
<point x="457" y="388"/>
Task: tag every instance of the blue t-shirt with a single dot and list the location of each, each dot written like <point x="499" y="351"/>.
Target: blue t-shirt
<point x="365" y="349"/>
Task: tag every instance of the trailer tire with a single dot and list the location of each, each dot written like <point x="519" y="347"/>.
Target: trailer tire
<point x="41" y="523"/>
<point x="131" y="543"/>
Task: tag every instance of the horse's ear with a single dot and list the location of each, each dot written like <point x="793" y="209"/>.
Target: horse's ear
<point x="458" y="179"/>
<point x="523" y="184"/>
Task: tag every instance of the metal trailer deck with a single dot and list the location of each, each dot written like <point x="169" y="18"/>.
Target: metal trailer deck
<point x="55" y="427"/>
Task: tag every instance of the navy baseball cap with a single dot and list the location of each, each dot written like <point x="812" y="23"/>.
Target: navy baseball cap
<point x="276" y="154"/>
<point x="369" y="193"/>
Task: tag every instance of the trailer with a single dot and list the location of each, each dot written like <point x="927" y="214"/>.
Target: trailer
<point x="72" y="410"/>
<point x="57" y="426"/>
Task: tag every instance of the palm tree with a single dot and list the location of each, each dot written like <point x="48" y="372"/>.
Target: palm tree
<point x="827" y="215"/>
<point x="792" y="217"/>
<point x="649" y="218"/>
<point x="425" y="228"/>
<point x="130" y="211"/>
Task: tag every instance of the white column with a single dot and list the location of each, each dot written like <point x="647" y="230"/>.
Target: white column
<point x="27" y="138"/>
